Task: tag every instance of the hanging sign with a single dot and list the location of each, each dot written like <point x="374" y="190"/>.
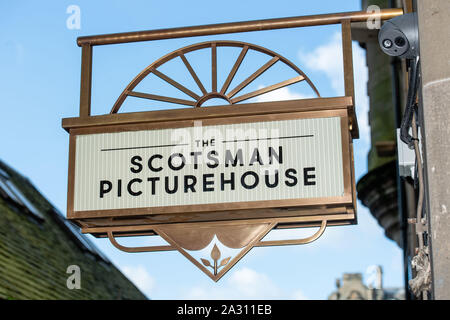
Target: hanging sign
<point x="274" y="161"/>
<point x="212" y="179"/>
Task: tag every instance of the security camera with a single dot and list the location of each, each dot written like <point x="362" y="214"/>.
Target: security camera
<point x="399" y="37"/>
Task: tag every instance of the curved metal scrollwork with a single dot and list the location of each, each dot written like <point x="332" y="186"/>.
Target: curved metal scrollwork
<point x="242" y="236"/>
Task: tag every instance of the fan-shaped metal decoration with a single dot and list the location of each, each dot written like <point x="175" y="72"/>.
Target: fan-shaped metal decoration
<point x="224" y="92"/>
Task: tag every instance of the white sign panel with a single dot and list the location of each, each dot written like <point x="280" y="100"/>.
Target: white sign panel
<point x="220" y="164"/>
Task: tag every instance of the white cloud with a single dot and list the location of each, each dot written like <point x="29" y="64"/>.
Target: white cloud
<point x="280" y="95"/>
<point x="140" y="277"/>
<point x="243" y="284"/>
<point x="251" y="284"/>
<point x="328" y="60"/>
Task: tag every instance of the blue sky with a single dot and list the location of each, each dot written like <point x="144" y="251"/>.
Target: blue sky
<point x="40" y="76"/>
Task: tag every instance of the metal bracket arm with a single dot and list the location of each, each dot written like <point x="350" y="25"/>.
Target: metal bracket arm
<point x="310" y="239"/>
<point x="137" y="249"/>
<point x="307" y="240"/>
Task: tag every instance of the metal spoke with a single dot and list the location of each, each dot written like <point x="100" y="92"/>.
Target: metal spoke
<point x="175" y="84"/>
<point x="161" y="98"/>
<point x="233" y="71"/>
<point x="250" y="79"/>
<point x="214" y="67"/>
<point x="193" y="74"/>
<point x="267" y="89"/>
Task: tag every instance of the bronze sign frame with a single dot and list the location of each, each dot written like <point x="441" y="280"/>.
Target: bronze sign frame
<point x="238" y="219"/>
<point x="282" y="110"/>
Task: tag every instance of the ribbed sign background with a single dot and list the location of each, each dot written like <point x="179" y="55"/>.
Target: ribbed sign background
<point x="305" y="143"/>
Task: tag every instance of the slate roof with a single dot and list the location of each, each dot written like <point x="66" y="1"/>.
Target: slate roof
<point x="37" y="245"/>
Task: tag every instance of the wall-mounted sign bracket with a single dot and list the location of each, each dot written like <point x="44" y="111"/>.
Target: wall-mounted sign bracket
<point x="233" y="201"/>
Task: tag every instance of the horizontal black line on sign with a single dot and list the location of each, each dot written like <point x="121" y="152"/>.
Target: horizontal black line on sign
<point x="278" y="138"/>
<point x="186" y="144"/>
<point x="146" y="147"/>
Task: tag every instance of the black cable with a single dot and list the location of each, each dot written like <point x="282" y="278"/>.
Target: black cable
<point x="410" y="103"/>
